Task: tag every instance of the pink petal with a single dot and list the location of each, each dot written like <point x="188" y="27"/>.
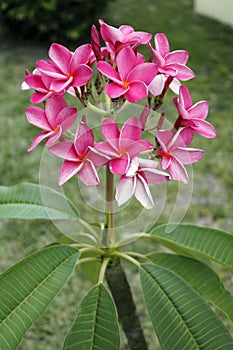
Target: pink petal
<point x="162" y="44"/>
<point x="119" y="165"/>
<point x="183" y="72"/>
<point x="84" y="138"/>
<point x="64" y="150"/>
<point x="131" y="130"/>
<point x="36" y="116"/>
<point x="144" y="72"/>
<point x="182" y="138"/>
<point x="164" y="137"/>
<point x="67" y="117"/>
<point x="107" y="70"/>
<point x="159" y="60"/>
<point x="124" y="189"/>
<point x="37" y="140"/>
<point x="166" y="161"/>
<point x="185" y="98"/>
<point x="178" y="56"/>
<point x="142" y="193"/>
<point x="38" y="97"/>
<point x="34" y="81"/>
<point x="81" y="75"/>
<point x="154" y="176"/>
<point x="136" y="147"/>
<point x="199" y="110"/>
<point x="187" y="155"/>
<point x="54" y="137"/>
<point x="147" y="163"/>
<point x="88" y="174"/>
<point x="110" y="33"/>
<point x="68" y="170"/>
<point x="114" y="90"/>
<point x="204" y="128"/>
<point x="180" y="108"/>
<point x="142" y="37"/>
<point x="97" y="159"/>
<point x="136" y="92"/>
<point x="126" y="29"/>
<point x="157" y="84"/>
<point x="126" y="61"/>
<point x="109" y="148"/>
<point x="178" y="171"/>
<point x="47" y="67"/>
<point x="110" y="129"/>
<point x="52" y="108"/>
<point x="168" y="70"/>
<point x="60" y="85"/>
<point x="81" y="56"/>
<point x="61" y="56"/>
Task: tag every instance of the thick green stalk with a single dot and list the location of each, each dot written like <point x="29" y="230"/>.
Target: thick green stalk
<point x="126" y="307"/>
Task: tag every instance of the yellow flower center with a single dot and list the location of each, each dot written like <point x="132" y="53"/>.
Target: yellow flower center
<point x="125" y="84"/>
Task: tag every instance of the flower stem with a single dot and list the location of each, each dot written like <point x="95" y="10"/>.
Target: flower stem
<point x="108" y="236"/>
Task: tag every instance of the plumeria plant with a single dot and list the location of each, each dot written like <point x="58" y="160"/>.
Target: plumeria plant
<point x="137" y="149"/>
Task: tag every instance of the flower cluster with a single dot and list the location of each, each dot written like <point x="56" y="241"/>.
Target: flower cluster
<point x="117" y="73"/>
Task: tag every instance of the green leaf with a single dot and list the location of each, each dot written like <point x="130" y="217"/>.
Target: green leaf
<point x="32" y="201"/>
<point x="28" y="287"/>
<point x="200" y="242"/>
<point x="200" y="277"/>
<point x="96" y="325"/>
<point x="181" y="319"/>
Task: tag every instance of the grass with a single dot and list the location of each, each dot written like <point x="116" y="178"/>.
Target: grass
<point x="210" y="46"/>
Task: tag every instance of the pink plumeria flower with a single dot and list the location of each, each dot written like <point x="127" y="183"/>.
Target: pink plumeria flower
<point x="193" y="116"/>
<point x="140" y="174"/>
<point x="174" y="152"/>
<point x="79" y="158"/>
<point x="41" y="83"/>
<point x="122" y="146"/>
<point x="131" y="79"/>
<point x="67" y="68"/>
<point x="54" y="119"/>
<point x="125" y="35"/>
<point x="169" y="64"/>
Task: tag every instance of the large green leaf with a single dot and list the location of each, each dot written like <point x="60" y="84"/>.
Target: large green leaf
<point x="96" y="326"/>
<point x="202" y="242"/>
<point x="32" y="201"/>
<point x="181" y="319"/>
<point x="200" y="277"/>
<point x="28" y="287"/>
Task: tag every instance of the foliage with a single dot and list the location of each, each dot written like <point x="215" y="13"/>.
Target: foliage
<point x="50" y="20"/>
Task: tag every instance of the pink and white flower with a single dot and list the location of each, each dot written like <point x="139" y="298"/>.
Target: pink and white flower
<point x="125" y="35"/>
<point x="140" y="174"/>
<point x="67" y="68"/>
<point x="174" y="152"/>
<point x="122" y="146"/>
<point x="131" y="79"/>
<point x="56" y="118"/>
<point x="41" y="83"/>
<point x="79" y="158"/>
<point x="169" y="64"/>
<point x="193" y="116"/>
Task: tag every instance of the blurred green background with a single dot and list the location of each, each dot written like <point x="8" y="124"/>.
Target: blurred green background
<point x="210" y="46"/>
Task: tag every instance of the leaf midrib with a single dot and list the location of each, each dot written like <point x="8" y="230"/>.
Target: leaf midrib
<point x="35" y="289"/>
<point x="173" y="307"/>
